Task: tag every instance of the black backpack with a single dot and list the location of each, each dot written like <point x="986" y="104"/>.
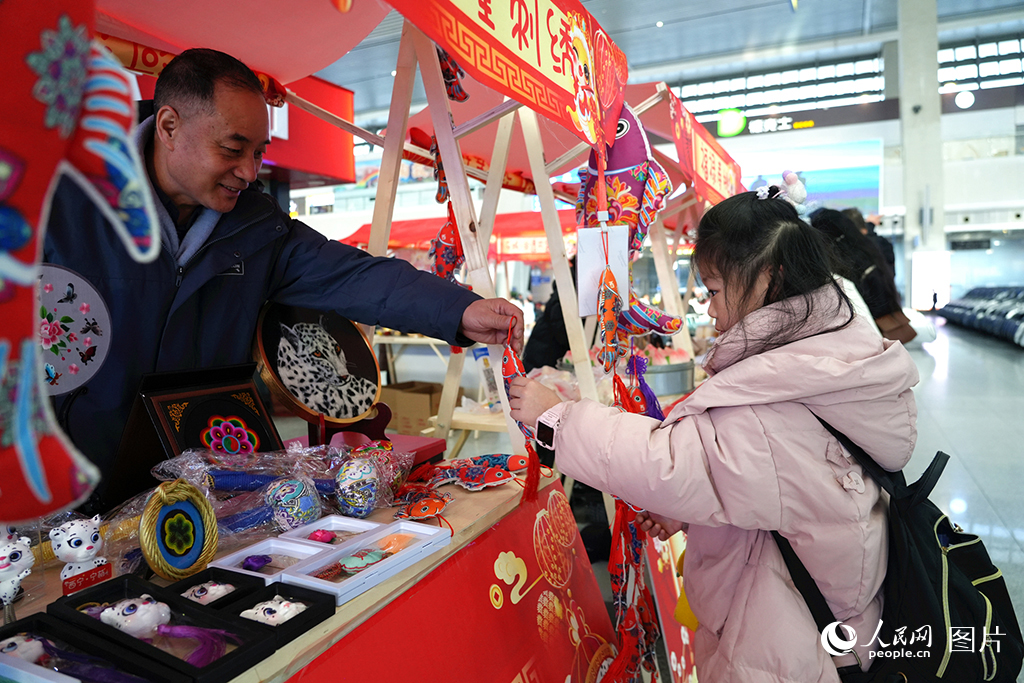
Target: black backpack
<point x="937" y="576"/>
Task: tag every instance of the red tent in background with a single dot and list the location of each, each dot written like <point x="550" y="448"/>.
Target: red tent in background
<point x="516" y="236"/>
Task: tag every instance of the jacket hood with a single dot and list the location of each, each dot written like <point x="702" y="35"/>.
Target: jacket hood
<point x="851" y="378"/>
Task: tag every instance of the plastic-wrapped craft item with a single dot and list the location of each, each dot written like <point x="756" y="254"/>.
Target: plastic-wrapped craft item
<point x="369" y="477"/>
<point x="283" y="504"/>
<point x="225" y="472"/>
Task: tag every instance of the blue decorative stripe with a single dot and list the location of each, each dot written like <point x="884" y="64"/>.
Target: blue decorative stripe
<point x="25" y="443"/>
<point x="106" y="82"/>
<point x="107" y="103"/>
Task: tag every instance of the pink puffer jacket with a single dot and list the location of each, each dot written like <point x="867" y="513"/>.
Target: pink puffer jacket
<point x="743" y="454"/>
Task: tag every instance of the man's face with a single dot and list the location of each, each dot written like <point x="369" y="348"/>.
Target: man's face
<point x="217" y="154"/>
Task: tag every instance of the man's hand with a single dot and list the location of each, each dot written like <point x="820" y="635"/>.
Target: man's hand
<point x="487" y="321"/>
<point x="528" y="399"/>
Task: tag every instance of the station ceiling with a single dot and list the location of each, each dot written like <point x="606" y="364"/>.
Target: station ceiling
<point x="703" y="40"/>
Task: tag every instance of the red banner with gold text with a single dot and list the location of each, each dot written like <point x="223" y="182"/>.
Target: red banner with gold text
<point x="551" y="55"/>
<point x="712" y="171"/>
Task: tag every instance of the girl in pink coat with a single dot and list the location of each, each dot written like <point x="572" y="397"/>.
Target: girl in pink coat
<point x="744" y="454"/>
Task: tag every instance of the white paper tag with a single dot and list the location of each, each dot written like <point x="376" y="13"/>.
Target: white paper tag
<point x="590" y="263"/>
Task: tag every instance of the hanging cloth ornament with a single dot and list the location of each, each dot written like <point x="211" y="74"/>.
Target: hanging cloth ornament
<point x="446" y="250"/>
<point x="452" y="72"/>
<point x="511" y="367"/>
<point x="639" y="318"/>
<point x="69" y="112"/>
<point x="442" y="180"/>
<point x="634" y="608"/>
<point x="609" y="306"/>
<point x="635" y="368"/>
<point x="635" y="184"/>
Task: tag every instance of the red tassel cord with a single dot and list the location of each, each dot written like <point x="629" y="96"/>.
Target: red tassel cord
<point x="634" y="607"/>
<point x="512" y="366"/>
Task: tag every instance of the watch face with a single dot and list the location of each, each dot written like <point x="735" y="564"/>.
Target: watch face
<point x="545" y="434"/>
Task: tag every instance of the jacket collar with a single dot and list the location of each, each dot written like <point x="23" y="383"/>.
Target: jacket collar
<point x="777" y="324"/>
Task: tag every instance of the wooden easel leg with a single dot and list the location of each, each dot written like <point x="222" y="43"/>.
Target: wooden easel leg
<point x="465" y="216"/>
<point x="672" y="302"/>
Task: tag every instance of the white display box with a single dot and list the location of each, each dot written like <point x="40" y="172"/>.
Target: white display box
<point x="331" y="523"/>
<point x="271" y="546"/>
<point x="429" y="539"/>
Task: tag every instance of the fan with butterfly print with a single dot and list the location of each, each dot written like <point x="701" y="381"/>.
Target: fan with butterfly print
<point x="74" y="329"/>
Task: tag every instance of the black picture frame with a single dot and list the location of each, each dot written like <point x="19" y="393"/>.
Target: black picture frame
<point x="256" y="644"/>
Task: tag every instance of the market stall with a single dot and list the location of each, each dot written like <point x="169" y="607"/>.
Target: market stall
<point x="565" y="616"/>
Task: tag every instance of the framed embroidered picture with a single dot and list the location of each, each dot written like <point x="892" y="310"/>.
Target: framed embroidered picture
<point x="218" y="409"/>
<point x="316" y="363"/>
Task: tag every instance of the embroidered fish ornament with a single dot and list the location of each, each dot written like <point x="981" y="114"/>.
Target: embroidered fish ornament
<point x="609" y="306"/>
<point x="512" y="366"/>
<point x="636" y="184"/>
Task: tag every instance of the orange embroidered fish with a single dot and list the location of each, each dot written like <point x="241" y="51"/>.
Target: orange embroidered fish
<point x="512" y="366"/>
<point x="609" y="306"/>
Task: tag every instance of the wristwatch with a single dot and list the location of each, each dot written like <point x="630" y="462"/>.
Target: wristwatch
<point x="547" y="423"/>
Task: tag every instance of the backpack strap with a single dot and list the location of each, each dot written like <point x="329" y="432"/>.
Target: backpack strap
<point x="804" y="583"/>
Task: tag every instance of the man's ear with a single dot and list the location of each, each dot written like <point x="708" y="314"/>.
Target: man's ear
<point x="168" y="126"/>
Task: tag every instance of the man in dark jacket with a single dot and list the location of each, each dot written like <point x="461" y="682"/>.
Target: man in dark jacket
<point x="227" y="249"/>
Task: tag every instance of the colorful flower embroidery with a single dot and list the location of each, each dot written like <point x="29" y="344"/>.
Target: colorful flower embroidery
<point x="73" y="369"/>
<point x="49" y="334"/>
<point x="230" y="436"/>
<point x="61" y="67"/>
<point x="84" y="308"/>
<point x="52" y="330"/>
<point x="47" y="288"/>
<point x="179" y="534"/>
<point x="623" y="207"/>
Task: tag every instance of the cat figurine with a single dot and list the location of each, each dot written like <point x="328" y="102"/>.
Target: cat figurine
<point x="274" y="612"/>
<point x="139" y="617"/>
<point x="205" y="593"/>
<point x="16" y="560"/>
<point x="313" y="367"/>
<point x="78" y="543"/>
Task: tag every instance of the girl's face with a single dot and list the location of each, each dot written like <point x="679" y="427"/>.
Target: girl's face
<point x="725" y="301"/>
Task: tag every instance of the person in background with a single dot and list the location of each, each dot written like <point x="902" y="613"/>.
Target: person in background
<point x="859" y="262"/>
<point x="227" y="249"/>
<point x="867" y="228"/>
<point x="745" y="454"/>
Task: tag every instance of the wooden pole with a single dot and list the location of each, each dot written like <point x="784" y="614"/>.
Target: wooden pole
<point x="465" y="216"/>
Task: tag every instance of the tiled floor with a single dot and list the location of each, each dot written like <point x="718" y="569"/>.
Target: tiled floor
<point x="971" y="405"/>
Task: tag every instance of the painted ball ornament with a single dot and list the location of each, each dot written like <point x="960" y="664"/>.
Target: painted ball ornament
<point x="294" y="501"/>
<point x="357" y="484"/>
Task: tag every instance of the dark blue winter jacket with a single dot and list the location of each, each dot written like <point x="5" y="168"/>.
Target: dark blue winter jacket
<point x="205" y="313"/>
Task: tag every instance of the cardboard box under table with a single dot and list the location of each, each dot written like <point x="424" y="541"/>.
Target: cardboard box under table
<point x="254" y="645"/>
<point x="412" y="405"/>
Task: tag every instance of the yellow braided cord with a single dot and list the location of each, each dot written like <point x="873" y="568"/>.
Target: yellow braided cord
<point x="169" y="493"/>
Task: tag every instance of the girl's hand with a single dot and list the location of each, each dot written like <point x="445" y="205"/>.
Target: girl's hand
<point x="529" y="399"/>
<point x="658" y="526"/>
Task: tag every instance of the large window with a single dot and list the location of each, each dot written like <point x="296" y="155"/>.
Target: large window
<point x="985" y="63"/>
<point x="797" y="89"/>
<point x="981" y="65"/>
